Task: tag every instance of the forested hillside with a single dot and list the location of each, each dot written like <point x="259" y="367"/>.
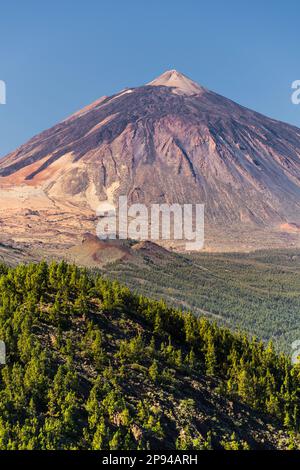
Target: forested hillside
<point x="258" y="292"/>
<point x="92" y="366"/>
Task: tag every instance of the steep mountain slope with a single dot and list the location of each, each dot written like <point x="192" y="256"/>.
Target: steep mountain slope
<point x="169" y="141"/>
<point x="92" y="366"/>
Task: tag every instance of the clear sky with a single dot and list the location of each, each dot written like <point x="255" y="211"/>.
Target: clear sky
<point x="57" y="56"/>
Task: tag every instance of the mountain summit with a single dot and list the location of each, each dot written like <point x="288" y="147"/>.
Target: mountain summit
<point x="166" y="142"/>
<point x="179" y="83"/>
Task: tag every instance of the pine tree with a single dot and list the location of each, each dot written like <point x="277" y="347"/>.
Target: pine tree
<point x="210" y="355"/>
<point x="153" y="371"/>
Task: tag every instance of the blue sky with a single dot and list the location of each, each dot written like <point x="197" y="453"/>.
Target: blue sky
<point x="57" y="56"/>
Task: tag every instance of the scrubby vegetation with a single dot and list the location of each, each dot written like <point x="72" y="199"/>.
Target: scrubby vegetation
<point x="92" y="366"/>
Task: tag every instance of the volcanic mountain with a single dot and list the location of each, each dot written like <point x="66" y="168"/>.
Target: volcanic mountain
<point x="168" y="141"/>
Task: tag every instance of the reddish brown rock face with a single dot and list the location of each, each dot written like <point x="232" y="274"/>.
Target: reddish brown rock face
<point x="169" y="141"/>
